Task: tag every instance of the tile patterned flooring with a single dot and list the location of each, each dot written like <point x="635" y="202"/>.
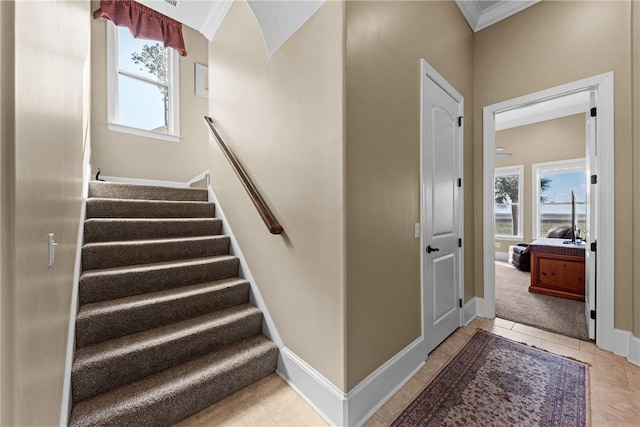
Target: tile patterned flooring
<point x="614" y="385"/>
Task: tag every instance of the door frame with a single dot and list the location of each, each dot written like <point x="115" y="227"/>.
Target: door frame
<point x="426" y="70"/>
<point x="603" y="86"/>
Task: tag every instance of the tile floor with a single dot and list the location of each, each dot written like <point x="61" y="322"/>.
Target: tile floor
<point x="615" y="385"/>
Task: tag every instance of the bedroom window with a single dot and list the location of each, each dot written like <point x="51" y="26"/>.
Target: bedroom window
<point x="142" y="86"/>
<point x="552" y="186"/>
<point x="508" y="210"/>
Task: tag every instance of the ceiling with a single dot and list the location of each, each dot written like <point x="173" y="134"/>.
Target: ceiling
<point x="206" y="16"/>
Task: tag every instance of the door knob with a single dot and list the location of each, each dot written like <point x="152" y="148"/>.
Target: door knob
<point x="430" y="249"/>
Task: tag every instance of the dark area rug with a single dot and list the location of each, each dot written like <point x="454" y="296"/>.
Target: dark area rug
<point x="514" y="302"/>
<point x="494" y="381"/>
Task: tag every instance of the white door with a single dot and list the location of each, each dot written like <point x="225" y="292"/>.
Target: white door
<point x="441" y="169"/>
<point x="592" y="231"/>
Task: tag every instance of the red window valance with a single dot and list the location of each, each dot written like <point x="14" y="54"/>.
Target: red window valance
<point x="143" y="22"/>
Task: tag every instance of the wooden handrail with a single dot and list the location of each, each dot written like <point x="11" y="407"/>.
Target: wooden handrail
<point x="268" y="218"/>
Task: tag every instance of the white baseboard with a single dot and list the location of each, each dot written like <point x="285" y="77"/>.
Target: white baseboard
<point x="620" y="342"/>
<point x="634" y="351"/>
<point x="361" y="403"/>
<point x="65" y="409"/>
<point x="269" y="327"/>
<point x="374" y="391"/>
<point x="470" y="311"/>
<point x="502" y="256"/>
<point x="200" y="177"/>
<point x="319" y="392"/>
<point x="150" y="182"/>
<point x="483" y="309"/>
<point x="626" y="345"/>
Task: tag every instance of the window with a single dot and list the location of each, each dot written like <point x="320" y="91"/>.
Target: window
<point x="508" y="210"/>
<point x="553" y="183"/>
<point x="142" y="86"/>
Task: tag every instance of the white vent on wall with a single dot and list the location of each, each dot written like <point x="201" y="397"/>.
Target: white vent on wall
<point x="172" y="2"/>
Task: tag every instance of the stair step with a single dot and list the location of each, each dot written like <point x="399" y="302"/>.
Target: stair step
<point x="112" y="283"/>
<point x="113" y="190"/>
<point x="123" y="208"/>
<point x="120" y="229"/>
<point x="115" y="254"/>
<point x="106" y="320"/>
<point x="174" y="394"/>
<point x="111" y="364"/>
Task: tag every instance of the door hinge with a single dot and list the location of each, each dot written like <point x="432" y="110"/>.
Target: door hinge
<point x="594" y="246"/>
<point x="460" y="302"/>
<point x="459" y="121"/>
<point x="459" y="243"/>
<point x="459" y="182"/>
<point x="592" y="314"/>
<point x="594" y="112"/>
<point x="594" y="179"/>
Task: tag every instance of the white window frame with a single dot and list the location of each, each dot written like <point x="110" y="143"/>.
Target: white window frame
<point x="546" y="168"/>
<point x="512" y="170"/>
<point x="113" y="92"/>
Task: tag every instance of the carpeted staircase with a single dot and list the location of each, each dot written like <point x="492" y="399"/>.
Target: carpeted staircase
<point x="165" y="327"/>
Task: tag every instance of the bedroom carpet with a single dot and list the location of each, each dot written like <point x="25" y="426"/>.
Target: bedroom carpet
<point x="514" y="302"/>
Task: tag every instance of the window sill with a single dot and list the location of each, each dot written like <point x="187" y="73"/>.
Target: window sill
<point x="510" y="238"/>
<point x="115" y="127"/>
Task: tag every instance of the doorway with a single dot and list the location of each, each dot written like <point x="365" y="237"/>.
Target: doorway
<point x="602" y="88"/>
<point x="540" y="164"/>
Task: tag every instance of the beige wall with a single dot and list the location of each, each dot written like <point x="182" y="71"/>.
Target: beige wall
<point x="7" y="179"/>
<point x="550" y="44"/>
<point x="132" y="156"/>
<point x="42" y="186"/>
<point x="385" y="42"/>
<point x="283" y="117"/>
<point x="552" y="140"/>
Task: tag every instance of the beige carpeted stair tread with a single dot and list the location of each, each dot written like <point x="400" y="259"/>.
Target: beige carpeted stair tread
<point x="120" y="229"/>
<point x="118" y="282"/>
<point x="113" y="254"/>
<point x="110" y="364"/>
<point x="171" y="395"/>
<point x="104" y="320"/>
<point x="128" y="208"/>
<point x="165" y="327"/>
<point x="147" y="192"/>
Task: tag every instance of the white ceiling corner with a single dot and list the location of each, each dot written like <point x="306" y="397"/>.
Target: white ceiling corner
<point x="278" y="20"/>
<point x="203" y="16"/>
<point x="481" y="14"/>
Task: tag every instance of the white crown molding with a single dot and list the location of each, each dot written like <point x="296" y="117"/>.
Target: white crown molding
<point x="215" y="17"/>
<point x="471" y="12"/>
<point x="479" y="19"/>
